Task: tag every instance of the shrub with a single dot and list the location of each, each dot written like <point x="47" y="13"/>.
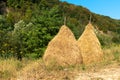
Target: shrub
<point x="104" y="39"/>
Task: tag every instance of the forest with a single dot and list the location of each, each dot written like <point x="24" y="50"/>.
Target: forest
<point x="26" y="26"/>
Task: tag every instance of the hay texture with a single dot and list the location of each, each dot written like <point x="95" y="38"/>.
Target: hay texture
<point x="90" y="46"/>
<point x="62" y="50"/>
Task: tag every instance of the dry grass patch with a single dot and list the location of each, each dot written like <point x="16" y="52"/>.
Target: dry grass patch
<point x="38" y="71"/>
<point x="9" y="68"/>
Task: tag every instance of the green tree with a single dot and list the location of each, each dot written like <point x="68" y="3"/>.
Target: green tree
<point x="17" y="39"/>
<point x="47" y="25"/>
<point x="5" y="34"/>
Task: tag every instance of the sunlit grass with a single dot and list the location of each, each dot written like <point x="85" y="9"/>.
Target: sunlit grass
<point x="12" y="68"/>
<point x="9" y="68"/>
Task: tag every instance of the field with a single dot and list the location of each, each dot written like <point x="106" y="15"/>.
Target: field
<point x="12" y="69"/>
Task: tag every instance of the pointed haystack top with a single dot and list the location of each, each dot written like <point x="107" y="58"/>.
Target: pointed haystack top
<point x="89" y="26"/>
<point x="62" y="50"/>
<point x="90" y="46"/>
<point x="65" y="32"/>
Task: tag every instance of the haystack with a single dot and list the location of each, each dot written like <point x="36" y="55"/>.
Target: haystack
<point x="62" y="50"/>
<point x="90" y="46"/>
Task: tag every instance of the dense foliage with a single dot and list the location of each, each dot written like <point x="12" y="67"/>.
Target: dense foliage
<point x="26" y="26"/>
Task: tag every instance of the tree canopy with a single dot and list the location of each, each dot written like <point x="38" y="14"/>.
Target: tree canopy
<point x="26" y="26"/>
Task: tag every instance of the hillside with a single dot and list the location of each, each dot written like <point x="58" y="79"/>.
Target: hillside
<point x="26" y="26"/>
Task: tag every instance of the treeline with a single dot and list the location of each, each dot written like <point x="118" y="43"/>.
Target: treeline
<point x="26" y="26"/>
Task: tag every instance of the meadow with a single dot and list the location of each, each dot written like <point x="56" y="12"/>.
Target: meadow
<point x="12" y="69"/>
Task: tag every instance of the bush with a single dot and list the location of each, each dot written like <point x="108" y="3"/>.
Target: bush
<point x="116" y="39"/>
<point x="104" y="39"/>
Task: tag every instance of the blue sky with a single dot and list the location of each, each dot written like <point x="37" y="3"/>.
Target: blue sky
<point x="104" y="7"/>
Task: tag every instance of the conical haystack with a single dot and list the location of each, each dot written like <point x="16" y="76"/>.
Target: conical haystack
<point x="90" y="46"/>
<point x="62" y="50"/>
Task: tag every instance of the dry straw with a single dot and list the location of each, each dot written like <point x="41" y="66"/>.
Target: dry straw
<point x="90" y="46"/>
<point x="62" y="50"/>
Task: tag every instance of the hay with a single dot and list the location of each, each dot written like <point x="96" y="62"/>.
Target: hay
<point x="90" y="46"/>
<point x="62" y="50"/>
